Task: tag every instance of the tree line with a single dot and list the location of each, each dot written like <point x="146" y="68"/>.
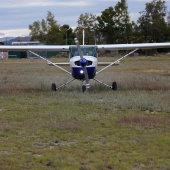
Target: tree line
<point x="112" y="26"/>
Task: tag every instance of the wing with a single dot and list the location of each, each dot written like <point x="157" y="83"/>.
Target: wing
<point x="133" y="46"/>
<point x="100" y="47"/>
<point x="34" y="48"/>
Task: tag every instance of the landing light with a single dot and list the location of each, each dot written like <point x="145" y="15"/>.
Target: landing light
<point x="81" y="71"/>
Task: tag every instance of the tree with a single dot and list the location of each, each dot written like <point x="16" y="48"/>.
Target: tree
<point x="168" y="19"/>
<point x="87" y="22"/>
<point x="46" y="31"/>
<point x="68" y="34"/>
<point x="114" y="24"/>
<point x="168" y="25"/>
<point x="151" y="24"/>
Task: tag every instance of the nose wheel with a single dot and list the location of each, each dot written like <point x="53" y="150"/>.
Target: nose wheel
<point x="83" y="88"/>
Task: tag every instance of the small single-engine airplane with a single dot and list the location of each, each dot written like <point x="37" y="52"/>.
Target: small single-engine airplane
<point x="84" y="59"/>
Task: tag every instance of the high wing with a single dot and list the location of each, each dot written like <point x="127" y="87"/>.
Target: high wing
<point x="100" y="47"/>
<point x="34" y="48"/>
<point x="133" y="46"/>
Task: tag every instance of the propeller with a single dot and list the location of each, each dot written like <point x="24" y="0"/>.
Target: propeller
<point x="83" y="63"/>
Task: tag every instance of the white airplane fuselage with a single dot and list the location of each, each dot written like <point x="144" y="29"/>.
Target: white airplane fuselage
<point x="90" y="61"/>
<point x="77" y="69"/>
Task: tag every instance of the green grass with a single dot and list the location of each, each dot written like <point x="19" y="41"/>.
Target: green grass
<point x="101" y="129"/>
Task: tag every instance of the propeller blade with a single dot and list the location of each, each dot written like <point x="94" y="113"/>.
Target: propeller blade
<point x="78" y="47"/>
<point x="84" y="66"/>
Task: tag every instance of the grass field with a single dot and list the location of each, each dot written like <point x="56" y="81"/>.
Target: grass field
<point x="98" y="130"/>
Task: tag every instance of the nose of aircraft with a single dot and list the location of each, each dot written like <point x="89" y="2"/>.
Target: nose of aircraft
<point x="83" y="62"/>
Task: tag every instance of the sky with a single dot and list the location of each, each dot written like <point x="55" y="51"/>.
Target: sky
<point x="17" y="15"/>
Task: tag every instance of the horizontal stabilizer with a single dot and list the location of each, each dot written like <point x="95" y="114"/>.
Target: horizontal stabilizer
<point x="107" y="63"/>
<point x="59" y="64"/>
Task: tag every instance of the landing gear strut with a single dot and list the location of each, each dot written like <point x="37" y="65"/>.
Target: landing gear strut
<point x="55" y="88"/>
<point x="113" y="86"/>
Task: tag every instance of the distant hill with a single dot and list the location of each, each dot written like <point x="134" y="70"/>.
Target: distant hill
<point x="9" y="40"/>
<point x="6" y="38"/>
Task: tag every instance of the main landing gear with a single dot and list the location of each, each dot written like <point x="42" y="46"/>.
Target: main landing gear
<point x="114" y="86"/>
<point x="53" y="87"/>
<point x="84" y="87"/>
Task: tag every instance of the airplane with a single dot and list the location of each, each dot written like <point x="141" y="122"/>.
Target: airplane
<point x="83" y="59"/>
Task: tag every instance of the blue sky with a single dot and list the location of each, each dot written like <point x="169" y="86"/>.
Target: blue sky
<point x="16" y="15"/>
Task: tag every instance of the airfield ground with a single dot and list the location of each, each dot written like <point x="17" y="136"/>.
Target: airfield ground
<point x="98" y="130"/>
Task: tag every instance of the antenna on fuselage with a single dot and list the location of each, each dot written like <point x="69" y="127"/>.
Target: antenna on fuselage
<point x="81" y="22"/>
<point x="83" y="35"/>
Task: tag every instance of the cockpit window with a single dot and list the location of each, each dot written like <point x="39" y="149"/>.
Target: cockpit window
<point x="87" y="51"/>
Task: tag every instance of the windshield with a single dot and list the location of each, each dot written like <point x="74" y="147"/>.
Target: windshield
<point x="87" y="51"/>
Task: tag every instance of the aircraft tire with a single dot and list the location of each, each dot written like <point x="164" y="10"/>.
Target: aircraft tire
<point x="53" y="87"/>
<point x="83" y="88"/>
<point x="114" y="86"/>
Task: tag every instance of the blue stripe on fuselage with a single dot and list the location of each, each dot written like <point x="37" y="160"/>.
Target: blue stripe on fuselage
<point x="76" y="72"/>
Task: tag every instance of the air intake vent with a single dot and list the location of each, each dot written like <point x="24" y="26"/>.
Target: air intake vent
<point x="89" y="63"/>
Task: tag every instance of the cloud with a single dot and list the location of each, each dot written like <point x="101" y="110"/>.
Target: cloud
<point x="40" y="3"/>
<point x="16" y="16"/>
<point x="14" y="32"/>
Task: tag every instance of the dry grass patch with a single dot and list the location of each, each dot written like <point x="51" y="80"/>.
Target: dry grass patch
<point x="68" y="125"/>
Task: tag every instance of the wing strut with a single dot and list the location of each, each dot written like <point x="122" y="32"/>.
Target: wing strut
<point x="49" y="62"/>
<point x="117" y="61"/>
<point x="102" y="83"/>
